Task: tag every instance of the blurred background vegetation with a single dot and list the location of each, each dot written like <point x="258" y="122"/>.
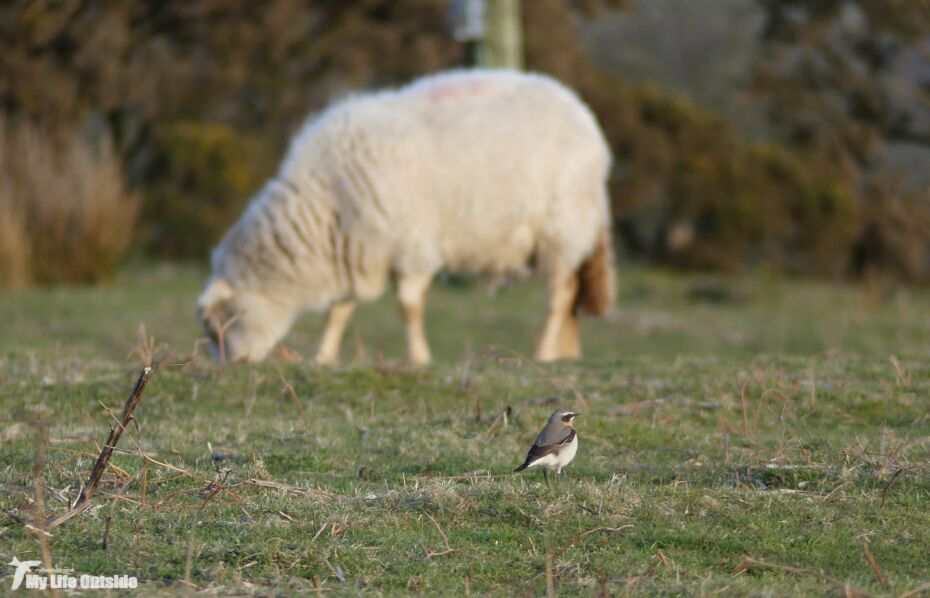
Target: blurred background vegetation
<point x="792" y="135"/>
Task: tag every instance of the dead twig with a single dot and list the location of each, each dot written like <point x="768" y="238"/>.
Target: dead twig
<point x="39" y="526"/>
<point x="894" y="477"/>
<point x="96" y="474"/>
<point x="289" y="390"/>
<point x="15" y="517"/>
<point x="211" y="491"/>
<point x="834" y="491"/>
<point x="922" y="588"/>
<point x="145" y="348"/>
<point x="550" y="577"/>
<point x="664" y="559"/>
<point x="874" y="565"/>
<point x="745" y="405"/>
<point x="116" y="498"/>
<point x="430" y="554"/>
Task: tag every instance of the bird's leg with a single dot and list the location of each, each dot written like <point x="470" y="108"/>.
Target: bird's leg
<point x="546" y="476"/>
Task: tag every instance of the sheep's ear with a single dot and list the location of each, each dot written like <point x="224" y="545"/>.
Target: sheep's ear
<point x="216" y="292"/>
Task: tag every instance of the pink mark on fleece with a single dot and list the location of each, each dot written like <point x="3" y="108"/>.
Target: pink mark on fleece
<point x="457" y="90"/>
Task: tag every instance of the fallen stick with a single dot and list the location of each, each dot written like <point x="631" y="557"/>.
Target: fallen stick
<point x="96" y="474"/>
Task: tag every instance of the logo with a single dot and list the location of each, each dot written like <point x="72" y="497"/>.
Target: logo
<point x="22" y="567"/>
<point x="58" y="579"/>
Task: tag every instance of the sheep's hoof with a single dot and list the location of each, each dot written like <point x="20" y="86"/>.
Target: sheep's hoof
<point x="545" y="357"/>
<point x="419" y="360"/>
<point x="327" y="360"/>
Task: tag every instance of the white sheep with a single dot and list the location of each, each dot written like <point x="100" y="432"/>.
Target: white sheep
<point x="477" y="171"/>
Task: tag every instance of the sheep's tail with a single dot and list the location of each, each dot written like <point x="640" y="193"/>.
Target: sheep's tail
<point x="596" y="279"/>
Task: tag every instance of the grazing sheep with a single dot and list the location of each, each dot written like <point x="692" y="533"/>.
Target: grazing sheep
<point x="477" y="171"/>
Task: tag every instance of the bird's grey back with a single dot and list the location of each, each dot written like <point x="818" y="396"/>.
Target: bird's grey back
<point x="555" y="431"/>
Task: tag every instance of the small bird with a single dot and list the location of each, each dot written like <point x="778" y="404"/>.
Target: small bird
<point x="556" y="445"/>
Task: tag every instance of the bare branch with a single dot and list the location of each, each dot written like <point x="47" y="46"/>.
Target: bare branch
<point x="96" y="474"/>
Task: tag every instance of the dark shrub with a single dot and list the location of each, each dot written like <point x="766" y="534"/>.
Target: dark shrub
<point x="206" y="173"/>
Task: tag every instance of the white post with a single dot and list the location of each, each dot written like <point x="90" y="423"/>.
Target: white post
<point x="503" y="43"/>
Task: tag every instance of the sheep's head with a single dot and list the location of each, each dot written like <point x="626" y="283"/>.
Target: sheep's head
<point x="241" y="324"/>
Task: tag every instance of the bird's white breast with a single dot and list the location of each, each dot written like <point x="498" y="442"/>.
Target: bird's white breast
<point x="556" y="461"/>
<point x="566" y="455"/>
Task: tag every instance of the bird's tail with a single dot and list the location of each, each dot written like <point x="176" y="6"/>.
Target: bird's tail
<point x="522" y="467"/>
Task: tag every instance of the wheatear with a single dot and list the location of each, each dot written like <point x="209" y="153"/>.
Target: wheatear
<point x="556" y="445"/>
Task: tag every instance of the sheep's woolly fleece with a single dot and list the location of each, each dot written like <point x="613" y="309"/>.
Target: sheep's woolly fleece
<point x="475" y="171"/>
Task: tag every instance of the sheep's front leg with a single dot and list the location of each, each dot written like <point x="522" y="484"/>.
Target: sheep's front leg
<point x="411" y="291"/>
<point x="559" y="338"/>
<point x="339" y="314"/>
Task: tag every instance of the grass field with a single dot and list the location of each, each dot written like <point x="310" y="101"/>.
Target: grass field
<point x="738" y="436"/>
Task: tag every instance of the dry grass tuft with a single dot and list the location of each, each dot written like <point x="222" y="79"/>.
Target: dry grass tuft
<point x="15" y="248"/>
<point x="71" y="213"/>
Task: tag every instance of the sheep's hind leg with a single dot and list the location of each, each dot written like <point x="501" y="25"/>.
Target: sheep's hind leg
<point x="339" y="314"/>
<point x="411" y="291"/>
<point x="559" y="338"/>
<point x="569" y="343"/>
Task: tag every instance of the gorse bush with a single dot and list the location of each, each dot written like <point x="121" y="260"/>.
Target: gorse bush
<point x="895" y="239"/>
<point x="688" y="191"/>
<point x="206" y="173"/>
<point x="201" y="100"/>
<point x="68" y="215"/>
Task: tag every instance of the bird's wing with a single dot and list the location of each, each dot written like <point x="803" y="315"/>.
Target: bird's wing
<point x="555" y="433"/>
<point x="541" y="449"/>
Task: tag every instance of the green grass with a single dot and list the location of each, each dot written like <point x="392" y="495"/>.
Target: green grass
<point x="723" y="420"/>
